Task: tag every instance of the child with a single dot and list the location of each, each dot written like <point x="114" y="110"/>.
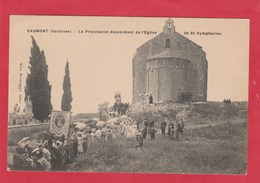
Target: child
<point x="139" y="139"/>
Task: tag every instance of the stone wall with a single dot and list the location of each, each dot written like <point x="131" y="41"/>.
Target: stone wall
<point x="147" y="50"/>
<point x="16" y="133"/>
<point x="184" y="48"/>
<point x="167" y="77"/>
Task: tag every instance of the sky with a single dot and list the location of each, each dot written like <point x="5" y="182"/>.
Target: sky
<point x="101" y="63"/>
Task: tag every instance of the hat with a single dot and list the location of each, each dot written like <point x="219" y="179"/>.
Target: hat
<point x="58" y="142"/>
<point x="36" y="151"/>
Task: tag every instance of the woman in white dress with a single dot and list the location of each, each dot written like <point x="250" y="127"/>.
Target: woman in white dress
<point x="80" y="143"/>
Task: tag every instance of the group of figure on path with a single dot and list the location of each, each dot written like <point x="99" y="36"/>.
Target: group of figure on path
<point x="148" y="129"/>
<point x="173" y="130"/>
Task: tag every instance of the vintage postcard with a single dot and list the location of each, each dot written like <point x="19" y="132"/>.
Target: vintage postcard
<point x="128" y="94"/>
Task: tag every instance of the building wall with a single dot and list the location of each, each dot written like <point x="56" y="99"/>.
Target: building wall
<point x="19" y="121"/>
<point x="147" y="50"/>
<point x="184" y="48"/>
<point x="167" y="77"/>
<point x="16" y="133"/>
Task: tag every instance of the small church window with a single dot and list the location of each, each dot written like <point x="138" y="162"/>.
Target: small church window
<point x="169" y="24"/>
<point x="14" y="122"/>
<point x="168" y="43"/>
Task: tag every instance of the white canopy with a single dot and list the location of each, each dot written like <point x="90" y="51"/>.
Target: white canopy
<point x="80" y="125"/>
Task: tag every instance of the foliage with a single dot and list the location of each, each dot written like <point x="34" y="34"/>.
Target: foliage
<point x="67" y="94"/>
<point x="37" y="84"/>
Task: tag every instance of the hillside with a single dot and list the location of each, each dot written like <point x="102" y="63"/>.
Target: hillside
<point x="214" y="141"/>
<point x="193" y="113"/>
<point x="213" y="150"/>
<point x="84" y="116"/>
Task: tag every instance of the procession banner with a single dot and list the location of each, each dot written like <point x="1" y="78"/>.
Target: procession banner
<point x="60" y="121"/>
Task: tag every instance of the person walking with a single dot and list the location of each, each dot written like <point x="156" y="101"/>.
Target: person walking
<point x="178" y="128"/>
<point x="163" y="127"/>
<point x="152" y="133"/>
<point x="182" y="127"/>
<point x="144" y="132"/>
<point x="150" y="126"/>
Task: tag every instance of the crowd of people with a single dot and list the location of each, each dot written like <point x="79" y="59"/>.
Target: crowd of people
<point x="227" y="101"/>
<point x="51" y="153"/>
<point x="174" y="130"/>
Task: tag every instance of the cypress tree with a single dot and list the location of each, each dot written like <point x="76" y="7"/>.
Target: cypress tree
<point x="67" y="94"/>
<point x="37" y="84"/>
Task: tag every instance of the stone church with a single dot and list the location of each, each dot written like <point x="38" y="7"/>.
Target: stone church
<point x="169" y="65"/>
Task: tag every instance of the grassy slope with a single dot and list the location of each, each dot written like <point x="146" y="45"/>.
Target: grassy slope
<point x="212" y="149"/>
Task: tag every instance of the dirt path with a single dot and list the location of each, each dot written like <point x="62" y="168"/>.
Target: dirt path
<point x="192" y="126"/>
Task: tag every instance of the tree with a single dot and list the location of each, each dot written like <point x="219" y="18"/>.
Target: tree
<point x="37" y="84"/>
<point x="67" y="94"/>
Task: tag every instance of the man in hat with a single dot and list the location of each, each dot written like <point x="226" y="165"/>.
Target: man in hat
<point x="178" y="129"/>
<point x="152" y="133"/>
<point x="163" y="127"/>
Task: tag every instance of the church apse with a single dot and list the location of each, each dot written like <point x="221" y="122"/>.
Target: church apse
<point x="168" y="66"/>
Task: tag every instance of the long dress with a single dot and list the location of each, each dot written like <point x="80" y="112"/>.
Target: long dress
<point x="80" y="145"/>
